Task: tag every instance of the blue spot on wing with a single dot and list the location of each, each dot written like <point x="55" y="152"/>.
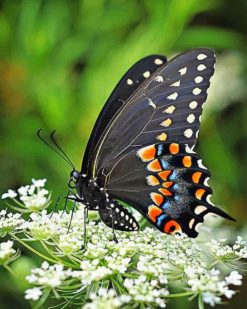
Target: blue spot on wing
<point x="164" y="164"/>
<point x="160" y="219"/>
<point x="174" y="175"/>
<point x="165" y="205"/>
<point x="160" y="150"/>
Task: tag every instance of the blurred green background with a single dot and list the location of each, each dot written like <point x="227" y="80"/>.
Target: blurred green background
<point x="59" y="61"/>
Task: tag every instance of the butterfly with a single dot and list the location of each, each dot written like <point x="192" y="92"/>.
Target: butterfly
<point x="140" y="151"/>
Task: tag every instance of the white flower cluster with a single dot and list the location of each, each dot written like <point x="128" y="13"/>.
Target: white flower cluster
<point x="7" y="252"/>
<point x="209" y="283"/>
<point x="138" y="270"/>
<point x="146" y="291"/>
<point x="33" y="197"/>
<point x="9" y="222"/>
<point x="222" y="251"/>
<point x="48" y="275"/>
<point x="106" y="299"/>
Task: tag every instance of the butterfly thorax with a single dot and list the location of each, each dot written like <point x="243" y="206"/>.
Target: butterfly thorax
<point x="94" y="196"/>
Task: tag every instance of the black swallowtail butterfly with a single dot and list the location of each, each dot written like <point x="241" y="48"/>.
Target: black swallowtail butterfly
<point x="141" y="148"/>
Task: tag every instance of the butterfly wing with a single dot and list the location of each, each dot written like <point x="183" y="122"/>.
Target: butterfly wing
<point x="118" y="217"/>
<point x="167" y="183"/>
<point x="166" y="107"/>
<point x="128" y="84"/>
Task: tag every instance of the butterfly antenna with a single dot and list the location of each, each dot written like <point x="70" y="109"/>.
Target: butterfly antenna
<point x="52" y="137"/>
<point x="63" y="155"/>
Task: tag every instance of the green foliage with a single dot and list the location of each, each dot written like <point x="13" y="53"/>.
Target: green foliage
<point x="59" y="61"/>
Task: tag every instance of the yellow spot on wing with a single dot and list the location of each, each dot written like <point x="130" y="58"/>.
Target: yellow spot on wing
<point x="166" y="123"/>
<point x="162" y="137"/>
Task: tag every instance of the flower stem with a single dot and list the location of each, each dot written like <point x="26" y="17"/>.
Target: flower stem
<point x="32" y="249"/>
<point x="10" y="270"/>
<point x="200" y="302"/>
<point x="179" y="295"/>
<point x="55" y="257"/>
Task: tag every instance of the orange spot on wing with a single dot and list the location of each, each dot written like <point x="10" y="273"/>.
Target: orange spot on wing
<point x="196" y="177"/>
<point x="187" y="162"/>
<point x="147" y="153"/>
<point x="165" y="192"/>
<point x="164" y="174"/>
<point x="174" y="148"/>
<point x="154" y="212"/>
<point x="152" y="180"/>
<point x="172" y="227"/>
<point x="167" y="184"/>
<point x="154" y="166"/>
<point x="157" y="198"/>
<point x="199" y="193"/>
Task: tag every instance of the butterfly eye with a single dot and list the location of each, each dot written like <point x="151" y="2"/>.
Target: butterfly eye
<point x="75" y="175"/>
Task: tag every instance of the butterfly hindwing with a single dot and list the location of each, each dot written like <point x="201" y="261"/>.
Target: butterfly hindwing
<point x="167" y="183"/>
<point x="118" y="217"/>
<point x="128" y="84"/>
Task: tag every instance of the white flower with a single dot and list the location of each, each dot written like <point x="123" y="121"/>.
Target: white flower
<point x="9" y="222"/>
<point x="39" y="183"/>
<point x="234" y="278"/>
<point x="48" y="276"/>
<point x="33" y="294"/>
<point x="106" y="299"/>
<point x="210" y="298"/>
<point x="23" y="190"/>
<point x="7" y="253"/>
<point x="9" y="194"/>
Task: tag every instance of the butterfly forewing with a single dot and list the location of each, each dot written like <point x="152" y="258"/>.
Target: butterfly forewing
<point x="166" y="107"/>
<point x="128" y="84"/>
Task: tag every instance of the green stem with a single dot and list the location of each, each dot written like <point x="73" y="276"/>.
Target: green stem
<point x="10" y="270"/>
<point x="55" y="257"/>
<point x="200" y="302"/>
<point x="214" y="263"/>
<point x="179" y="295"/>
<point x="32" y="249"/>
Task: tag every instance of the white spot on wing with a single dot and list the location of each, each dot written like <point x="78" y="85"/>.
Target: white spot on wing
<point x="201" y="56"/>
<point x="192" y="221"/>
<point x="201" y="67"/>
<point x="159" y="79"/>
<point x="199" y="162"/>
<point x="199" y="209"/>
<point x="129" y="81"/>
<point x="188" y="149"/>
<point x="188" y="133"/>
<point x="191" y="118"/>
<point x="208" y="199"/>
<point x="146" y="74"/>
<point x="151" y="103"/>
<point x="173" y="96"/>
<point x="183" y="71"/>
<point x="170" y="109"/>
<point x="158" y="61"/>
<point x="176" y="84"/>
<point x="198" y="79"/>
<point x="206" y="182"/>
<point x="193" y="104"/>
<point x="197" y="91"/>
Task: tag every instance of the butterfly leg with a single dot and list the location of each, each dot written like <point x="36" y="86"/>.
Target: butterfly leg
<point x="71" y="217"/>
<point x="56" y="204"/>
<point x="85" y="214"/>
<point x="112" y="226"/>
